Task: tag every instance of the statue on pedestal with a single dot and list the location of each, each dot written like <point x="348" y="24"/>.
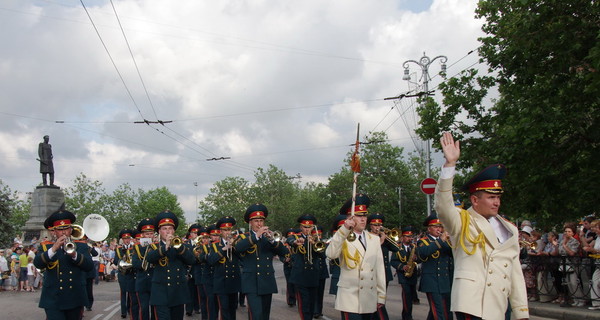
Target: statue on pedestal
<point x="45" y="159"/>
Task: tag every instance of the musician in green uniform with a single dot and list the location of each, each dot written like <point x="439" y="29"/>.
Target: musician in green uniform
<point x="305" y="266"/>
<point x="170" y="258"/>
<point x="143" y="270"/>
<point x="126" y="276"/>
<point x="404" y="261"/>
<point x="435" y="254"/>
<point x="225" y="260"/>
<point x="202" y="248"/>
<point x="194" y="306"/>
<point x="375" y="222"/>
<point x="317" y="232"/>
<point x="212" y="305"/>
<point x="66" y="262"/>
<point x="290" y="289"/>
<point x="256" y="249"/>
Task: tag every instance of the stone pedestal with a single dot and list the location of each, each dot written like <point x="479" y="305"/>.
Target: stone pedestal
<point x="45" y="200"/>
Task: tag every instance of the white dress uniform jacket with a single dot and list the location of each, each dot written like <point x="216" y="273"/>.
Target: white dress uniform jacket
<point x="362" y="282"/>
<point x="486" y="280"/>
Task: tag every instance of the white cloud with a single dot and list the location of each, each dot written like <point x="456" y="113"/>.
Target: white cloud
<point x="263" y="82"/>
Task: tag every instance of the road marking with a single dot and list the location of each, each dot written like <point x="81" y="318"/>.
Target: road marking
<point x="112" y="306"/>
<point x="98" y="316"/>
<point x="112" y="313"/>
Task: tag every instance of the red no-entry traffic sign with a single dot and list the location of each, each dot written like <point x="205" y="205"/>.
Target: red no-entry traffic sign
<point x="428" y="185"/>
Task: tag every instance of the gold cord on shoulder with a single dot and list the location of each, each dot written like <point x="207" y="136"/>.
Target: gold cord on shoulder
<point x="465" y="235"/>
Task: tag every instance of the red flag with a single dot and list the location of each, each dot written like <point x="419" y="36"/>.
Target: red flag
<point x="355" y="162"/>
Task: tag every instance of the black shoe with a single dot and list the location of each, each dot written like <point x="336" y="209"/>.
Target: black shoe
<point x="242" y="305"/>
<point x="123" y="316"/>
<point x="88" y="308"/>
<point x="197" y="312"/>
<point x="291" y="305"/>
<point x="317" y="316"/>
<point x="189" y="314"/>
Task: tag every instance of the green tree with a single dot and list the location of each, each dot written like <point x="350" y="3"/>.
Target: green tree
<point x="12" y="216"/>
<point x="85" y="197"/>
<point x="384" y="169"/>
<point x="227" y="197"/>
<point x="121" y="209"/>
<point x="543" y="59"/>
<point x="152" y="202"/>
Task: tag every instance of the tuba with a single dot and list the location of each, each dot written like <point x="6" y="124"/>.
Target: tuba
<point x="96" y="227"/>
<point x="77" y="234"/>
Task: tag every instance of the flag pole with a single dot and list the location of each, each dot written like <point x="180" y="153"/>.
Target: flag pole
<point x="355" y="166"/>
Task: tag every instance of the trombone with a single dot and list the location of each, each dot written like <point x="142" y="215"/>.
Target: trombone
<point x="391" y="235"/>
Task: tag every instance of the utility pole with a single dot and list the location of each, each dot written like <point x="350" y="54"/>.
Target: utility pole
<point x="399" y="205"/>
<point x="424" y="63"/>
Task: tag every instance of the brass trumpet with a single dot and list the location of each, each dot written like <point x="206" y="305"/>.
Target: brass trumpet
<point x="531" y="245"/>
<point x="176" y="242"/>
<point x="77" y="234"/>
<point x="273" y="236"/>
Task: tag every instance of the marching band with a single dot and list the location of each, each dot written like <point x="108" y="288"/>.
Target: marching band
<point x="163" y="276"/>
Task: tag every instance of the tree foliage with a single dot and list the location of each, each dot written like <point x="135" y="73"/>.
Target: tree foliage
<point x="14" y="212"/>
<point x="544" y="62"/>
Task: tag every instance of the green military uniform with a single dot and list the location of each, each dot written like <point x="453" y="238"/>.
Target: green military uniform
<point x="226" y="276"/>
<point x="63" y="292"/>
<point x="143" y="271"/>
<point x="305" y="269"/>
<point x="407" y="282"/>
<point x="256" y="255"/>
<point x="169" y="291"/>
<point x="126" y="277"/>
<point x="435" y="256"/>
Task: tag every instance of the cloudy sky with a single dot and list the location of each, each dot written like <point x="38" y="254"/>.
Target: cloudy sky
<point x="261" y="82"/>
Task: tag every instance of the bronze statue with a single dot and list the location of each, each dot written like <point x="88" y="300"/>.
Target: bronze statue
<point x="46" y="165"/>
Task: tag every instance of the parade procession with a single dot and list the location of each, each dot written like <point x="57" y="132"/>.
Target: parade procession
<point x="464" y="263"/>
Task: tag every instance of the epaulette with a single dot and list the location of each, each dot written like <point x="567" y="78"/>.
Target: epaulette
<point x="424" y="241"/>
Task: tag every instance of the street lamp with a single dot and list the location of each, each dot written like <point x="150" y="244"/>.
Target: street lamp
<point x="424" y="63"/>
<point x="196" y="205"/>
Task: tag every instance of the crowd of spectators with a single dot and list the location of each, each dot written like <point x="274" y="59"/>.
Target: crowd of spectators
<point x="563" y="267"/>
<point x="19" y="274"/>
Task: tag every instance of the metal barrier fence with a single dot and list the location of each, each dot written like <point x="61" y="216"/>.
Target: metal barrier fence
<point x="562" y="279"/>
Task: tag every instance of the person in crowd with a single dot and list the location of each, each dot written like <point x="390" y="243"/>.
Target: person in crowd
<point x="593" y="250"/>
<point x="4" y="269"/>
<point x="31" y="273"/>
<point x="362" y="285"/>
<point x="63" y="292"/>
<point x="23" y="261"/>
<point x="290" y="289"/>
<point x="569" y="248"/>
<point x="485" y="245"/>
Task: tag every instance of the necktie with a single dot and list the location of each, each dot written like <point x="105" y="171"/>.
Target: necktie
<point x="360" y="238"/>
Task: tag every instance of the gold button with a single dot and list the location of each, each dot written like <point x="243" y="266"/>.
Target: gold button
<point x="168" y="278"/>
<point x="503" y="289"/>
<point x="60" y="288"/>
<point x="504" y="276"/>
<point x="489" y="284"/>
<point x="491" y="271"/>
<point x="492" y="259"/>
<point x="60" y="280"/>
<point x="506" y="265"/>
<point x="70" y="271"/>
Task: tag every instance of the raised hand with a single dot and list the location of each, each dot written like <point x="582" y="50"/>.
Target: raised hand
<point x="450" y="148"/>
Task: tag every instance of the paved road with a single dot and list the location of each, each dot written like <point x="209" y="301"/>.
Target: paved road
<point x="24" y="305"/>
